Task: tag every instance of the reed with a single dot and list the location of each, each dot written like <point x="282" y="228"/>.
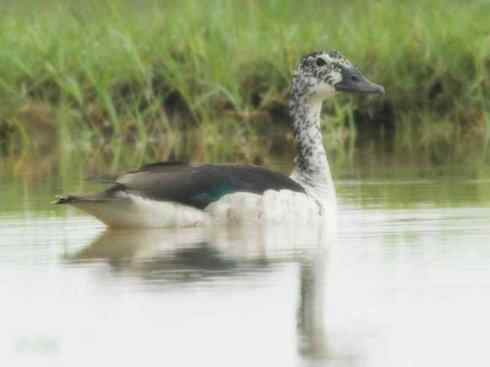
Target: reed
<point x="134" y="71"/>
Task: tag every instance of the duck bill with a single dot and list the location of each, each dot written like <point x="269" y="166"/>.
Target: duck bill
<point x="354" y="82"/>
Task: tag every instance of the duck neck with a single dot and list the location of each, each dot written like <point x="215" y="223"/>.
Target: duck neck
<point x="311" y="170"/>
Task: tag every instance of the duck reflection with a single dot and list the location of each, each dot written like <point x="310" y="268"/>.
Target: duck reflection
<point x="202" y="254"/>
<point x="311" y="328"/>
<point x="159" y="255"/>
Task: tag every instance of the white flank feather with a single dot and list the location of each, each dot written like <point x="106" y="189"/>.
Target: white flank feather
<point x="273" y="207"/>
<point x="133" y="211"/>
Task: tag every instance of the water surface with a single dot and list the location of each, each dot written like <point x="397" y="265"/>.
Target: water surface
<point x="407" y="283"/>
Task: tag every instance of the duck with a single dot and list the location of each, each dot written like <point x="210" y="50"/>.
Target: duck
<point x="182" y="194"/>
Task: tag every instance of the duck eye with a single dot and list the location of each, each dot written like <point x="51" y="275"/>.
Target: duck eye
<point x="320" y="62"/>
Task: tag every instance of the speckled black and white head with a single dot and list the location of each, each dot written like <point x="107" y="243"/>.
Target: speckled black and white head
<point x="321" y="74"/>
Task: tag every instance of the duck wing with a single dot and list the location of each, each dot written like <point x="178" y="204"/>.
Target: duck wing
<point x="200" y="185"/>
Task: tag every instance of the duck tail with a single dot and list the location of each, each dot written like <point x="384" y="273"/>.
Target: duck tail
<point x="75" y="199"/>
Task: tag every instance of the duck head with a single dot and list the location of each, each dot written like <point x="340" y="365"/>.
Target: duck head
<point x="322" y="74"/>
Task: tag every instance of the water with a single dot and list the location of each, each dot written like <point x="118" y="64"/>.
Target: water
<point x="407" y="283"/>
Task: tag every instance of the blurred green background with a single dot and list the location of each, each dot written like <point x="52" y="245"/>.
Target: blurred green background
<point x="131" y="81"/>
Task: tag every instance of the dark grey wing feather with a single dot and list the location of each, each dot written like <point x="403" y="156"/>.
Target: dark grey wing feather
<point x="158" y="166"/>
<point x="200" y="185"/>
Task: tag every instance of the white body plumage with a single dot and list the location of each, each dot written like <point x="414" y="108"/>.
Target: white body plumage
<point x="273" y="207"/>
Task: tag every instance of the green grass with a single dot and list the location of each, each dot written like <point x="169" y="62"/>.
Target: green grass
<point x="138" y="73"/>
